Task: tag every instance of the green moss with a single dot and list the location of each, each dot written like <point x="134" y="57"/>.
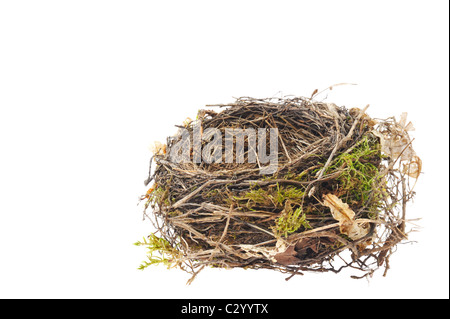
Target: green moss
<point x="159" y="196"/>
<point x="256" y="196"/>
<point x="271" y="196"/>
<point x="290" y="221"/>
<point x="291" y="193"/>
<point x="301" y="176"/>
<point x="155" y="245"/>
<point x="174" y="213"/>
<point x="359" y="171"/>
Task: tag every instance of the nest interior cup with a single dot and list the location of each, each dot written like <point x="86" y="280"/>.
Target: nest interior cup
<point x="280" y="183"/>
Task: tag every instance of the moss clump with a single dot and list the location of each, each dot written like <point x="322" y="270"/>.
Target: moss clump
<point x="290" y="221"/>
<point x="271" y="196"/>
<point x="359" y="173"/>
<point x="159" y="252"/>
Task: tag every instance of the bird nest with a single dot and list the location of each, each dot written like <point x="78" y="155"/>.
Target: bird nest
<point x="334" y="196"/>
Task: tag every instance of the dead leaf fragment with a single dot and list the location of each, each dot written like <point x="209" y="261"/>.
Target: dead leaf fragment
<point x="158" y="148"/>
<point x="413" y="167"/>
<point x="396" y="143"/>
<point x="346" y="217"/>
<point x="288" y="257"/>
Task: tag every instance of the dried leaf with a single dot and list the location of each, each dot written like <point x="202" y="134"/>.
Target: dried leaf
<point x="158" y="148"/>
<point x="346" y="217"/>
<point x="413" y="167"/>
<point x="402" y="121"/>
<point x="305" y="243"/>
<point x="400" y="147"/>
<point x="397" y="145"/>
<point x="288" y="257"/>
<point x="409" y="127"/>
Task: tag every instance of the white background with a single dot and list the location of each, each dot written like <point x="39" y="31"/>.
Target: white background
<point x="87" y="86"/>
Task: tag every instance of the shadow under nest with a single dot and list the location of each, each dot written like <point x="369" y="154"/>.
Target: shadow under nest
<point x="336" y="198"/>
